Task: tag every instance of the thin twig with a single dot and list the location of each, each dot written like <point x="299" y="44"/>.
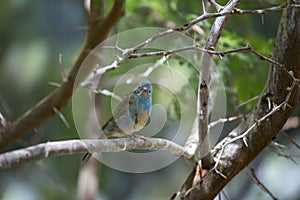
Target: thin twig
<point x="223" y="120"/>
<point x="130" y="52"/>
<point x="222" y="53"/>
<point x="217" y="6"/>
<point x="249" y="100"/>
<point x="3" y="121"/>
<point x="291" y="139"/>
<point x="107" y="93"/>
<point x="63" y="73"/>
<point x="243" y="136"/>
<point x="259" y="183"/>
<point x="62" y="117"/>
<point x="150" y="69"/>
<point x="55" y="84"/>
<point x="193" y="47"/>
<point x="224" y="195"/>
<point x="282" y="67"/>
<point x="279" y="152"/>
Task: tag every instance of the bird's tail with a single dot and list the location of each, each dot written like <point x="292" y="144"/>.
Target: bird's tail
<point x="86" y="158"/>
<point x="88" y="155"/>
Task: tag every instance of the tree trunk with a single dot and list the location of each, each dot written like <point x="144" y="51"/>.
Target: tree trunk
<point x="266" y="120"/>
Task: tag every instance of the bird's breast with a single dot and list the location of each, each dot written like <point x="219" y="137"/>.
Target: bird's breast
<point x="142" y="118"/>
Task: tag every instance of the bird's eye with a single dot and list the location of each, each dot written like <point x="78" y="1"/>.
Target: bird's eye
<point x="149" y="91"/>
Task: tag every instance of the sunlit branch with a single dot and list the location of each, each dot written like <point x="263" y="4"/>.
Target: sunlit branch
<point x="216" y="5"/>
<point x="3" y="121"/>
<point x="62" y="70"/>
<point x="49" y="149"/>
<point x="130" y="52"/>
<point x="150" y="69"/>
<point x="222" y="54"/>
<point x="223" y="120"/>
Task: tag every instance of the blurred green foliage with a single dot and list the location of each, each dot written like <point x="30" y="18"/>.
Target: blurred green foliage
<point x="34" y="33"/>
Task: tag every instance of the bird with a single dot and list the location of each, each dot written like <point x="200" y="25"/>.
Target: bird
<point x="130" y="116"/>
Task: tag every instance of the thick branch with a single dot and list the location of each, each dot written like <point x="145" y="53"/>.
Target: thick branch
<point x="44" y="150"/>
<point x="99" y="29"/>
<point x="203" y="87"/>
<point x="236" y="155"/>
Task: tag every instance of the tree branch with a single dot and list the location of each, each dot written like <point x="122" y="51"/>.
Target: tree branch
<point x="49" y="149"/>
<point x="236" y="155"/>
<point x="259" y="183"/>
<point x="203" y="87"/>
<point x="196" y="47"/>
<point x="98" y="30"/>
<point x="216" y="5"/>
<point x="131" y="52"/>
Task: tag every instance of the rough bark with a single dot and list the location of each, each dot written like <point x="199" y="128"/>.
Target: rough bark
<point x="236" y="155"/>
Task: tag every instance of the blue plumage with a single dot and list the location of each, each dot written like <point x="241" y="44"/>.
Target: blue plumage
<point x="130" y="116"/>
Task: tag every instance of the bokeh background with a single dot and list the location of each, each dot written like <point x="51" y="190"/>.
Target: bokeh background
<point x="34" y="33"/>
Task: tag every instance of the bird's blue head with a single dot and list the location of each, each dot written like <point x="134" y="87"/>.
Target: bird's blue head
<point x="144" y="95"/>
<point x="144" y="89"/>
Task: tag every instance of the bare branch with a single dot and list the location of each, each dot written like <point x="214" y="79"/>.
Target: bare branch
<point x="44" y="150"/>
<point x="291" y="140"/>
<point x="277" y="64"/>
<point x="236" y="156"/>
<point x="259" y="183"/>
<point x="107" y="93"/>
<point x="279" y="151"/>
<point x="62" y="117"/>
<point x="216" y="5"/>
<point x="223" y="120"/>
<point x="3" y="121"/>
<point x="130" y="52"/>
<point x="222" y="53"/>
<point x="203" y="86"/>
<point x="150" y="69"/>
<point x="98" y="30"/>
<point x="191" y="143"/>
<point x="99" y="71"/>
<point x="243" y="136"/>
<point x="249" y="100"/>
<point x="63" y="73"/>
<point x="55" y="84"/>
<point x="193" y="47"/>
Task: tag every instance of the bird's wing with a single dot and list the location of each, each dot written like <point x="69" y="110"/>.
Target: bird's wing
<point x="123" y="107"/>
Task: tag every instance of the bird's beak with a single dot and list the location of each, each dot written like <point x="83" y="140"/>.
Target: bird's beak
<point x="145" y="89"/>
